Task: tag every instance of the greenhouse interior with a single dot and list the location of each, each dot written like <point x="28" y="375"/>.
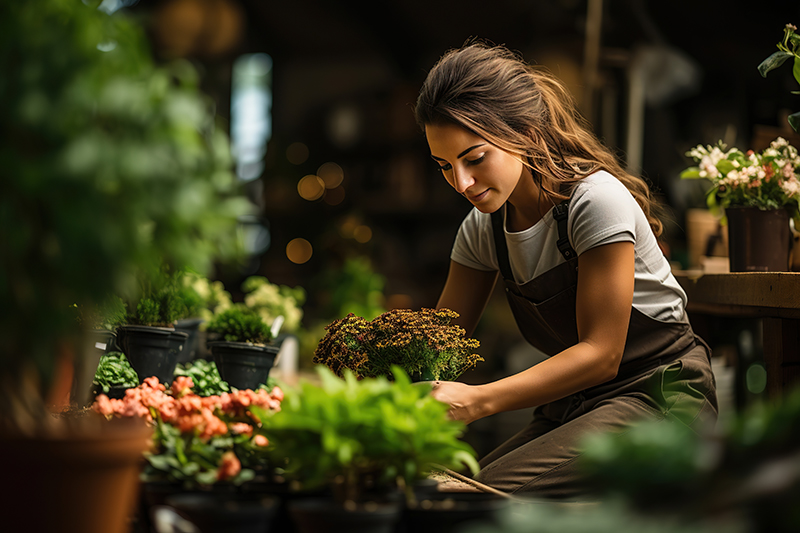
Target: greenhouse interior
<point x="537" y="263"/>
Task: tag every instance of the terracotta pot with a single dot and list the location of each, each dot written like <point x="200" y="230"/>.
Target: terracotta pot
<point x="758" y="241"/>
<point x="84" y="482"/>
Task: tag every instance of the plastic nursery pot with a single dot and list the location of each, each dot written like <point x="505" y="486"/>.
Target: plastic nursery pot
<point x="758" y="241"/>
<point x="444" y="512"/>
<point x="152" y="351"/>
<point x="190" y="326"/>
<point x="323" y="515"/>
<point x="244" y="365"/>
<point x="225" y="513"/>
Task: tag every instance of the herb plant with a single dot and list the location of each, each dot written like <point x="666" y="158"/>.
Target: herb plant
<point x="422" y="343"/>
<point x="239" y="323"/>
<point x="114" y="370"/>
<point x="788" y="48"/>
<point x="362" y="432"/>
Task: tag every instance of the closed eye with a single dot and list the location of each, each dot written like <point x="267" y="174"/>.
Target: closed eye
<point x="445" y="167"/>
<point x="475" y="161"/>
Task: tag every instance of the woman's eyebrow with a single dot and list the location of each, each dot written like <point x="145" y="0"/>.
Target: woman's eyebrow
<point x="462" y="154"/>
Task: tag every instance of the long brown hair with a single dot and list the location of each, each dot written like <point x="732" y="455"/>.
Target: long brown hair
<point x="524" y="110"/>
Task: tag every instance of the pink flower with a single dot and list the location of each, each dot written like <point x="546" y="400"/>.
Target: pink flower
<point x="260" y="440"/>
<point x="182" y="385"/>
<point x="242" y="428"/>
<point x="229" y="466"/>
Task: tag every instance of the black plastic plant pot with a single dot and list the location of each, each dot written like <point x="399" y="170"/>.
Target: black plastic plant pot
<point x="445" y="512"/>
<point x="152" y="351"/>
<point x="229" y="513"/>
<point x="314" y="515"/>
<point x="244" y="365"/>
<point x="190" y="326"/>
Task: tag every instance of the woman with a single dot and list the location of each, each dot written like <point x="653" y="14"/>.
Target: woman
<point x="574" y="238"/>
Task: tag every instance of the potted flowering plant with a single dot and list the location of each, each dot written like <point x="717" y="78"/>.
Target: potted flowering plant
<point x="759" y="193"/>
<point x="199" y="443"/>
<point x="198" y="440"/>
<point x="361" y="439"/>
<point x="423" y="343"/>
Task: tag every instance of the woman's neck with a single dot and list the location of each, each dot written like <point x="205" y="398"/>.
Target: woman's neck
<point x="527" y="205"/>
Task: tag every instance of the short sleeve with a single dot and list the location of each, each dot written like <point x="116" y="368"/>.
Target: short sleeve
<point x="602" y="211"/>
<point x="474" y="244"/>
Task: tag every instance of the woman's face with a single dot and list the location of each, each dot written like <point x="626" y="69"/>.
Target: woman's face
<point x="483" y="173"/>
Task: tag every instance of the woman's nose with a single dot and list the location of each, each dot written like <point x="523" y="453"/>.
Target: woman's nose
<point x="462" y="180"/>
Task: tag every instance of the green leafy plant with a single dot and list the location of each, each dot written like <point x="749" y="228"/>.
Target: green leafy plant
<point x="355" y="435"/>
<point x="205" y="377"/>
<point x="111" y="164"/>
<point x="423" y="343"/>
<point x="766" y="180"/>
<point x="197" y="441"/>
<point x="114" y="370"/>
<point x="746" y="470"/>
<point x="239" y="323"/>
<point x="787" y="49"/>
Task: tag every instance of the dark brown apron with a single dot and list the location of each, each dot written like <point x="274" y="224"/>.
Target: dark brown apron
<point x="544" y="309"/>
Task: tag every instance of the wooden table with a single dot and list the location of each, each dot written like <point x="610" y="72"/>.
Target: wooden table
<point x="773" y="297"/>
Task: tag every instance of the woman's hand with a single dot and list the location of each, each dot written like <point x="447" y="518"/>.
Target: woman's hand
<point x="463" y="399"/>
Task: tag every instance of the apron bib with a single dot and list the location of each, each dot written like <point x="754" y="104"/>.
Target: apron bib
<point x="544" y="308"/>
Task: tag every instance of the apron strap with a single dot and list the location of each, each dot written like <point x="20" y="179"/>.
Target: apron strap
<point x="500" y="245"/>
<point x="560" y="214"/>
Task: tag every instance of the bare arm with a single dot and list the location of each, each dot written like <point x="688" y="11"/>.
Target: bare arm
<point x="466" y="292"/>
<point x="604" y="299"/>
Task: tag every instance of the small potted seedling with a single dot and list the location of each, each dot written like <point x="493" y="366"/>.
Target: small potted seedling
<point x="241" y="343"/>
<point x="149" y="338"/>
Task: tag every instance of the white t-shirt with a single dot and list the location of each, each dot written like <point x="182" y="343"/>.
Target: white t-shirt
<point x="602" y="211"/>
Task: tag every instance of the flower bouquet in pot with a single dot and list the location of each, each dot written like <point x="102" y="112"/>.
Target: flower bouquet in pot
<point x="241" y="343"/>
<point x="759" y="194"/>
<point x="367" y="441"/>
<point x="423" y="343"/>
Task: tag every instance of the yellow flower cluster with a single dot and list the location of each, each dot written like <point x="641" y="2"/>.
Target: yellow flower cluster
<point x="424" y="343"/>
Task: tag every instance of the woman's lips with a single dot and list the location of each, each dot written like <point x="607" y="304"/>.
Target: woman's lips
<point x="478" y="197"/>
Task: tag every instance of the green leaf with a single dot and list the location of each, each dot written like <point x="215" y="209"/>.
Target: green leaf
<point x="796" y="69"/>
<point x="794" y="121"/>
<point x="691" y="173"/>
<point x="772" y="62"/>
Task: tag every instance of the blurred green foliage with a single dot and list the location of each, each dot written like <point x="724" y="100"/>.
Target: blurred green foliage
<point x="347" y="431"/>
<point x="111" y="163"/>
<point x="747" y="469"/>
